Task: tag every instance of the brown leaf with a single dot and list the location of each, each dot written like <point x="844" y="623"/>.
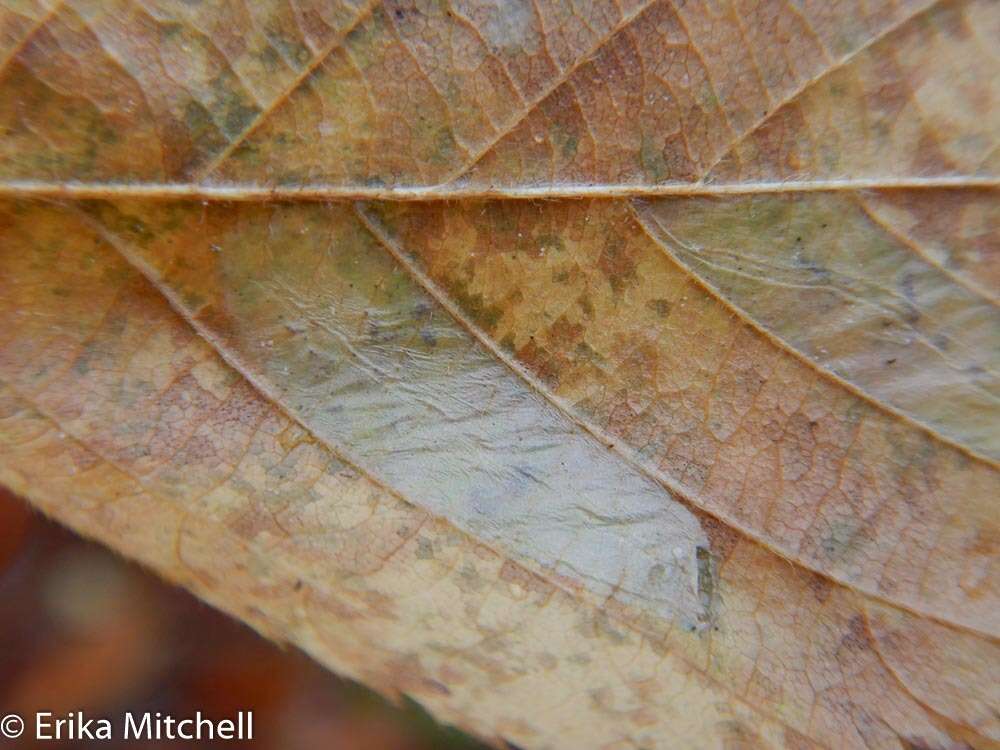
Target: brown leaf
<point x="708" y="458"/>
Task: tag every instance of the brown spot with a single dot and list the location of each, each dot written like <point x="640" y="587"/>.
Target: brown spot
<point x="618" y="263"/>
<point x="820" y="587"/>
<point x="540" y="362"/>
<point x="659" y="306"/>
<point x="796" y="741"/>
<point x="722" y="539"/>
<point x="857" y="637"/>
<point x="738" y="736"/>
<point x="563" y="333"/>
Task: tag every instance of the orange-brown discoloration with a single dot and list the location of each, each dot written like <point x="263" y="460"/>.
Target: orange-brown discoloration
<point x="835" y="583"/>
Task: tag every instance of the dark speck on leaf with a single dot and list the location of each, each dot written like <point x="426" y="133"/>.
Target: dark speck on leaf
<point x="660" y="306"/>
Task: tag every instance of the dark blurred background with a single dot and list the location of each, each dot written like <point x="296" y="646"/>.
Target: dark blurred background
<point x="84" y="629"/>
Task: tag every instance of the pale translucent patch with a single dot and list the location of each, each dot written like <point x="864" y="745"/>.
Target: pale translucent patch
<point x="506" y="24"/>
<point x="373" y="366"/>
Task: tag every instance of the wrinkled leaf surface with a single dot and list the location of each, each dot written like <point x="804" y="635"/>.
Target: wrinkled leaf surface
<point x="601" y="374"/>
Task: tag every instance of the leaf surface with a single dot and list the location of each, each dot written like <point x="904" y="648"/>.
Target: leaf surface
<point x="710" y="430"/>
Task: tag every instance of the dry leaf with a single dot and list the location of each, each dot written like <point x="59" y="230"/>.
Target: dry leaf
<point x="599" y="374"/>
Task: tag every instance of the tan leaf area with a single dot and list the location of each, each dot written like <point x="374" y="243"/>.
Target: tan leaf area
<point x="600" y="374"/>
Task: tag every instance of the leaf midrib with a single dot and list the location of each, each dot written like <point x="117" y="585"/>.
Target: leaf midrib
<point x="224" y="192"/>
